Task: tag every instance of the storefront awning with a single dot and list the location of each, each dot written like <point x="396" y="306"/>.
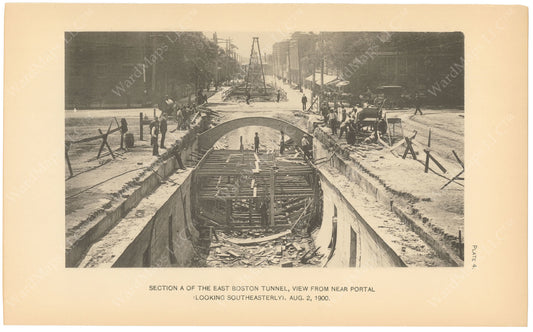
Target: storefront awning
<point x="328" y="79"/>
<point x="342" y="83"/>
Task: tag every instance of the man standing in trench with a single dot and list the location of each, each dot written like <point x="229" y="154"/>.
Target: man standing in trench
<point x="304" y="102"/>
<point x="256" y="143"/>
<point x="306" y="147"/>
<point x="282" y="143"/>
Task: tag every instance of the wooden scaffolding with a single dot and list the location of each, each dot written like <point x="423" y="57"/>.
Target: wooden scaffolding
<point x="230" y="187"/>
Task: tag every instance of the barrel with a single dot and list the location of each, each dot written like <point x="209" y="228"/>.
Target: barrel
<point x="129" y="140"/>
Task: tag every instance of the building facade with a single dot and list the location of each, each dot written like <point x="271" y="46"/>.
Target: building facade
<point x="429" y="64"/>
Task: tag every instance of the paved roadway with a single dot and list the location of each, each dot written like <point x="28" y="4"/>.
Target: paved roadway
<point x="286" y="110"/>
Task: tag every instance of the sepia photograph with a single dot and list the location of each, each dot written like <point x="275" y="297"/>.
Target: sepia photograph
<point x="256" y="149"/>
<point x="265" y="165"/>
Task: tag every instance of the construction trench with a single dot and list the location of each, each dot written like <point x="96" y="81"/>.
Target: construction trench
<point x="231" y="207"/>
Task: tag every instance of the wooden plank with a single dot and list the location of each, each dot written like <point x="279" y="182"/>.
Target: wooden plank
<point x="68" y="160"/>
<point x="458" y="159"/>
<point x="104" y="141"/>
<point x="93" y="138"/>
<point x="107" y="145"/>
<point x="409" y="148"/>
<point x="457" y="177"/>
<point x="428" y="157"/>
<point x="383" y="142"/>
<point x="248" y="242"/>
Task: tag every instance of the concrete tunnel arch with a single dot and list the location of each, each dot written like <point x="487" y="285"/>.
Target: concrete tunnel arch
<point x="208" y="138"/>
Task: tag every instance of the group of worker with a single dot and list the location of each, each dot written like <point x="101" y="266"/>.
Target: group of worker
<point x="305" y="145"/>
<point x="183" y="115"/>
<point x="341" y="121"/>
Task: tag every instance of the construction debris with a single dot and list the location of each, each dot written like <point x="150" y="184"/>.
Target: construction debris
<point x="258" y="248"/>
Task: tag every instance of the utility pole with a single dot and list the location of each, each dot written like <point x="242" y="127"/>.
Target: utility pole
<point x="229" y="54"/>
<point x="289" y="62"/>
<point x="313" y="85"/>
<point x="322" y="60"/>
<point x="300" y="82"/>
<point x="154" y="46"/>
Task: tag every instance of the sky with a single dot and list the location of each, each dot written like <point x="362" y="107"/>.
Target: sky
<point x="243" y="40"/>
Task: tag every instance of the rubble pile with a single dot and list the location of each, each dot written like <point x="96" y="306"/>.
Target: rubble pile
<point x="289" y="250"/>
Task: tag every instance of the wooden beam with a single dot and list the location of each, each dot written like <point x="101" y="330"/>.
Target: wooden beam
<point x="104" y="141"/>
<point x="67" y="146"/>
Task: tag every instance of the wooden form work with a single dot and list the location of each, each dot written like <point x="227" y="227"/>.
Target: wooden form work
<point x="230" y="187"/>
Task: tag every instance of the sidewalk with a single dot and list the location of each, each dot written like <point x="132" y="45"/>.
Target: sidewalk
<point x="294" y="96"/>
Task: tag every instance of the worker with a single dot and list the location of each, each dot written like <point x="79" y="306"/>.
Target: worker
<point x="382" y="126"/>
<point x="417" y="104"/>
<point x="151" y="127"/>
<point x="343" y="114"/>
<point x="306" y="147"/>
<point x="344" y="127"/>
<point x="332" y="117"/>
<point x="155" y="134"/>
<point x="304" y="102"/>
<point x="350" y="134"/>
<point x="325" y="112"/>
<point x="256" y="143"/>
<point x="282" y="143"/>
<point x="279" y="95"/>
<point x="353" y="113"/>
<point x="186" y="117"/>
<point x="179" y="118"/>
<point x="123" y="131"/>
<point x="163" y="129"/>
